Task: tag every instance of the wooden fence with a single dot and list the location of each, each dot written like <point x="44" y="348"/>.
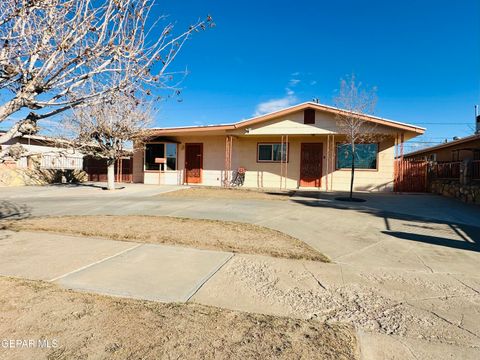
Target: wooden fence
<point x="446" y="170"/>
<point x="410" y="175"/>
<point x="453" y="170"/>
<point x="476" y="169"/>
<point x="97" y="170"/>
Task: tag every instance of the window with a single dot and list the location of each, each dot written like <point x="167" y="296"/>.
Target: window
<point x="272" y="152"/>
<point x="309" y="116"/>
<point x="161" y="150"/>
<point x="365" y="156"/>
<point x="171" y="156"/>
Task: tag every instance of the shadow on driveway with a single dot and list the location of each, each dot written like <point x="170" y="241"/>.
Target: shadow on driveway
<point x="413" y="227"/>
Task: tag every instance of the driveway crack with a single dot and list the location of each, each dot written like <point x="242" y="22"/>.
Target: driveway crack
<point x="466" y="285"/>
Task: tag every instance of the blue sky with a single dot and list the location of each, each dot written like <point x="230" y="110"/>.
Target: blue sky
<point x="423" y="56"/>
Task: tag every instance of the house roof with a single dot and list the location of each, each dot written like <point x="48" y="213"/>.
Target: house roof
<point x="289" y="110"/>
<point x="445" y="145"/>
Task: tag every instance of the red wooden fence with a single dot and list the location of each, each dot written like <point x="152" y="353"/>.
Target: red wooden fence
<point x="410" y="175"/>
<point x="97" y="170"/>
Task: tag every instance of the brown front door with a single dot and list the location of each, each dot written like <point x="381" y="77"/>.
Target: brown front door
<point x="193" y="163"/>
<point x="311" y="164"/>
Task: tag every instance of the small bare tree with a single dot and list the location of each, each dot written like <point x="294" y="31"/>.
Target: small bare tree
<point x="59" y="54"/>
<point x="103" y="130"/>
<point x="353" y="103"/>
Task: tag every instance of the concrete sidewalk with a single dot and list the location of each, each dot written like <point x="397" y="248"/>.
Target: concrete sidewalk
<point x="127" y="269"/>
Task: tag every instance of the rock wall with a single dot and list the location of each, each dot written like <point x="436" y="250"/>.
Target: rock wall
<point x="19" y="177"/>
<point x="468" y="193"/>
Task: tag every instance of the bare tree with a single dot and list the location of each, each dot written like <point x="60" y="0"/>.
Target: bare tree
<point x="102" y="130"/>
<point x="56" y="55"/>
<point x="353" y="103"/>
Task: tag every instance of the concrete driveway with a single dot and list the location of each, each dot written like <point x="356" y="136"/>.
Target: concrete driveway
<point x="396" y="258"/>
<point x="442" y="234"/>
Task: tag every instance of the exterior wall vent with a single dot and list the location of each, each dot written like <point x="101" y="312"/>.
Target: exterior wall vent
<point x="309" y="116"/>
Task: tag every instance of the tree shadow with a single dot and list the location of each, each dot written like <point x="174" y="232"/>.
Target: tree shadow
<point x="9" y="213"/>
<point x="435" y="240"/>
<point x="89" y="185"/>
<point x="414" y="228"/>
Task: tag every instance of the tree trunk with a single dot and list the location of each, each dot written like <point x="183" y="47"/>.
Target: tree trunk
<point x="353" y="173"/>
<point x="111" y="176"/>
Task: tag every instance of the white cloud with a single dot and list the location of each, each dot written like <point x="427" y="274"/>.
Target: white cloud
<point x="294" y="82"/>
<point x="296" y="73"/>
<point x="313" y="82"/>
<point x="276" y="104"/>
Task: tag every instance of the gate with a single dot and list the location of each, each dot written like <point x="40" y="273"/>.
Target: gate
<point x="97" y="169"/>
<point x="410" y="175"/>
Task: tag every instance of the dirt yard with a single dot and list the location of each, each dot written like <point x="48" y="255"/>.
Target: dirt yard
<point x="85" y="324"/>
<point x="229" y="193"/>
<point x="203" y="234"/>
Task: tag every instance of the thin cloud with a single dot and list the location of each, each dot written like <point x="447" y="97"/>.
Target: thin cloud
<point x="294" y="82"/>
<point x="276" y="104"/>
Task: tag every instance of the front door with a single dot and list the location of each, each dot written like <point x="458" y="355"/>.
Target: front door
<point x="311" y="164"/>
<point x="193" y="163"/>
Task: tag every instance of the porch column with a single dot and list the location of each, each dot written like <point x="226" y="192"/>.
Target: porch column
<point x="228" y="160"/>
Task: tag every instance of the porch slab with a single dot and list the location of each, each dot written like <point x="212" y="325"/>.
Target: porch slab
<point x="150" y="272"/>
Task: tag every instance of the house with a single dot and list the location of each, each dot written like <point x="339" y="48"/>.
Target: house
<point x="296" y="147"/>
<point x="467" y="148"/>
<point x="50" y="152"/>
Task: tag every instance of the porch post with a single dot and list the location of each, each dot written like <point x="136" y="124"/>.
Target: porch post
<point x="228" y="160"/>
<point x="287" y="150"/>
<point x="334" y="149"/>
<point x="328" y="163"/>
<point x="281" y="163"/>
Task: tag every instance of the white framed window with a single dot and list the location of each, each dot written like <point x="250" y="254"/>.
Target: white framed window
<point x="272" y="152"/>
<point x="167" y="151"/>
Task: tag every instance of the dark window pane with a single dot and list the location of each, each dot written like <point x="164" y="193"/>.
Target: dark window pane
<point x="171" y="163"/>
<point x="265" y="152"/>
<point x="365" y="156"/>
<point x="153" y="151"/>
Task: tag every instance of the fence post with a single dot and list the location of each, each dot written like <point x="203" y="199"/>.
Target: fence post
<point x="465" y="173"/>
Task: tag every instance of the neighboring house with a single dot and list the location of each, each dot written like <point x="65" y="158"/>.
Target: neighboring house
<point x="297" y="147"/>
<point x="467" y="148"/>
<point x="48" y="151"/>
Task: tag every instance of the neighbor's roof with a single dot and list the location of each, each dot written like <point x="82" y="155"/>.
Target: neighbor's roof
<point x="445" y="145"/>
<point x="289" y="110"/>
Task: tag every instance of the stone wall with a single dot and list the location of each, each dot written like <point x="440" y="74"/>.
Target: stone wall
<point x="468" y="193"/>
<point x="19" y="177"/>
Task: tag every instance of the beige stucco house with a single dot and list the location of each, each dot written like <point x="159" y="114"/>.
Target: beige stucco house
<point x="297" y="147"/>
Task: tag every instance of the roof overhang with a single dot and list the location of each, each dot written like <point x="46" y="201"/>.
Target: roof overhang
<point x="445" y="145"/>
<point x="222" y="129"/>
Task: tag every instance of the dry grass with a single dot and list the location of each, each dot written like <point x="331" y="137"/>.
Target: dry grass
<point x="102" y="327"/>
<point x="203" y="234"/>
<point x="228" y="193"/>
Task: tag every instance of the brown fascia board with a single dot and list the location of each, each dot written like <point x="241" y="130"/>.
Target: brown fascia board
<point x="330" y="109"/>
<point x="276" y="114"/>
